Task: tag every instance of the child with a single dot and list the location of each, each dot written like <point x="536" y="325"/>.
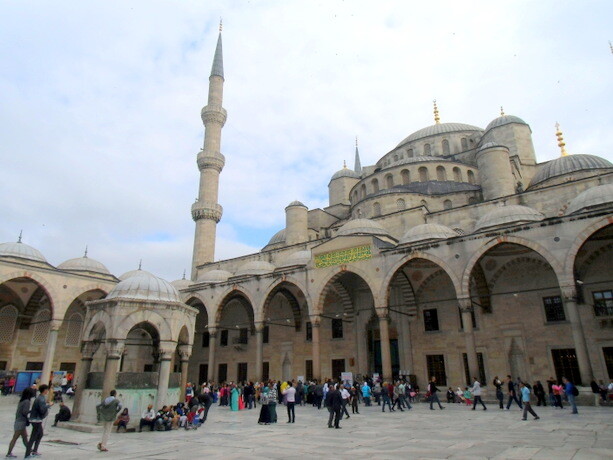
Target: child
<point x="468" y="397"/>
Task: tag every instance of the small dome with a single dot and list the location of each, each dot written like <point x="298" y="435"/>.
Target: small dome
<point x="296" y="203"/>
<point x="505" y="120"/>
<point x="439" y="128"/>
<point x="362" y="226"/>
<point x="428" y="232"/>
<point x="512" y="214"/>
<point x="567" y="165"/>
<point x="21" y="251"/>
<point x="603" y="194"/>
<point x="255" y="267"/>
<point x="132" y="273"/>
<point x="145" y="286"/>
<point x="345" y="172"/>
<point x="296" y="258"/>
<point x="181" y="284"/>
<point x="278" y="237"/>
<point x="489" y="145"/>
<point x="84" y="264"/>
<point x="215" y="276"/>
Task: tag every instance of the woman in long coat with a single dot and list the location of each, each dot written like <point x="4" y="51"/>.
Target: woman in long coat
<point x="234" y="398"/>
<point x="264" y="411"/>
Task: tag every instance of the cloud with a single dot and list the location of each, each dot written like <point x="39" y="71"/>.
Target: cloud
<point x="101" y="107"/>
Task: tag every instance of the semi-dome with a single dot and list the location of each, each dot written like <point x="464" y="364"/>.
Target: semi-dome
<point x="181" y="284"/>
<point x="345" y="172"/>
<point x="255" y="267"/>
<point x="362" y="226"/>
<point x="136" y="272"/>
<point x="296" y="258"/>
<point x="21" y="251"/>
<point x="513" y="214"/>
<point x="215" y="276"/>
<point x="596" y="196"/>
<point x="84" y="264"/>
<point x="426" y="232"/>
<point x="145" y="286"/>
<point x="567" y="165"/>
<point x="296" y="203"/>
<point x="439" y="128"/>
<point x="277" y="238"/>
<point x="504" y="120"/>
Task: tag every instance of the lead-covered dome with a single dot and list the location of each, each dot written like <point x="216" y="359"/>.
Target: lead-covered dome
<point x="513" y="214"/>
<point x="84" y="264"/>
<point x="596" y="196"/>
<point x="21" y="251"/>
<point x="278" y="237"/>
<point x="215" y="276"/>
<point x="144" y="286"/>
<point x="181" y="284"/>
<point x="296" y="203"/>
<point x="132" y="273"/>
<point x="426" y="232"/>
<point x="567" y="165"/>
<point x="439" y="128"/>
<point x="296" y="258"/>
<point x="345" y="172"/>
<point x="504" y="120"/>
<point x="362" y="227"/>
<point x="255" y="267"/>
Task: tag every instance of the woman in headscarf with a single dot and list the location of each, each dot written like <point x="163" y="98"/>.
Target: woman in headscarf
<point x="264" y="412"/>
<point x="234" y="398"/>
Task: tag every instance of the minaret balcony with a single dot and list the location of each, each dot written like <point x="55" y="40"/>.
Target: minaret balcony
<point x="206" y="210"/>
<point x="214" y="114"/>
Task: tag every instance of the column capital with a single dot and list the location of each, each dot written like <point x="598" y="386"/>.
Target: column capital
<point x="569" y="293"/>
<point x="382" y="312"/>
<point x="315" y="320"/>
<point x="185" y="351"/>
<point x="88" y="350"/>
<point x="212" y="331"/>
<point x="259" y="326"/>
<point x="114" y="348"/>
<point x="54" y="325"/>
<point x="465" y="304"/>
<point x="165" y="350"/>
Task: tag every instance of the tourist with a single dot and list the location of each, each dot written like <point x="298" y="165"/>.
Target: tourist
<point x="206" y="400"/>
<point x="597" y="391"/>
<point x="249" y="395"/>
<point x="377" y="392"/>
<point x="334" y="401"/>
<point x="571" y="392"/>
<point x="525" y="397"/>
<point x="450" y="395"/>
<point x="476" y="391"/>
<point x="21" y="421"/>
<point x="189" y="392"/>
<point x="354" y="397"/>
<point x="64" y="384"/>
<point x="468" y="397"/>
<point x="63" y="415"/>
<point x="107" y="412"/>
<point x="299" y="393"/>
<point x="318" y="395"/>
<point x="273" y="397"/>
<point x="385" y="398"/>
<point x="558" y="390"/>
<point x="432" y="390"/>
<point x="512" y="394"/>
<point x="70" y="391"/>
<point x="40" y="409"/>
<point x="264" y="418"/>
<point x="290" y="400"/>
<point x="366" y="393"/>
<point x="539" y="392"/>
<point x="123" y="420"/>
<point x="234" y="393"/>
<point x="552" y="399"/>
<point x="499" y="394"/>
<point x="163" y="419"/>
<point x="148" y="419"/>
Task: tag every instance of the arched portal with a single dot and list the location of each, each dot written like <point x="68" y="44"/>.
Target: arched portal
<point x="140" y="352"/>
<point x="199" y="360"/>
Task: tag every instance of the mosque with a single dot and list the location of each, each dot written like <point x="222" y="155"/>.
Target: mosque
<point x="456" y="254"/>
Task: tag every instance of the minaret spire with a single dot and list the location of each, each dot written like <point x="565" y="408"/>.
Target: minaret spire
<point x="357" y="165"/>
<point x="561" y="142"/>
<point x="437" y="119"/>
<point x="206" y="211"/>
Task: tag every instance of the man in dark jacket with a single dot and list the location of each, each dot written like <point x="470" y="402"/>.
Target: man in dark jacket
<point x="512" y="393"/>
<point x="335" y="406"/>
<point x="39" y="411"/>
<point x="63" y="415"/>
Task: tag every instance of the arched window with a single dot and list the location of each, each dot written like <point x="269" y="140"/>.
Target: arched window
<point x="457" y="174"/>
<point x="363" y="191"/>
<point x="441" y="174"/>
<point x="447" y="204"/>
<point x="406" y="177"/>
<point x="427" y="149"/>
<point x="355" y="196"/>
<point x="395" y="157"/>
<point x="41" y="324"/>
<point x="410" y="153"/>
<point x="376" y="209"/>
<point x="400" y="204"/>
<point x="375" y="185"/>
<point x="8" y="321"/>
<point x="445" y="147"/>
<point x="464" y="143"/>
<point x="73" y="330"/>
<point x="389" y="180"/>
<point x="471" y="177"/>
<point x="423" y="174"/>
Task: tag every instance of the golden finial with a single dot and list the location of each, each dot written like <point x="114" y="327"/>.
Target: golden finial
<point x="561" y="142"/>
<point x="220" y="24"/>
<point x="437" y="119"/>
<point x="501" y="111"/>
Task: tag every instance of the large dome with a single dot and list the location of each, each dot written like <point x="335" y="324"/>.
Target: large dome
<point x="596" y="196"/>
<point x="567" y="165"/>
<point x="504" y="215"/>
<point x="84" y="264"/>
<point x="215" y="276"/>
<point x="426" y="232"/>
<point x="345" y="172"/>
<point x="278" y="237"/>
<point x="505" y="120"/>
<point x="439" y="128"/>
<point x="145" y="286"/>
<point x="132" y="273"/>
<point x="362" y="226"/>
<point x="21" y="251"/>
<point x="255" y="267"/>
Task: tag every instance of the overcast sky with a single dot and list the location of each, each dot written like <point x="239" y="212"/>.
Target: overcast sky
<point x="100" y="106"/>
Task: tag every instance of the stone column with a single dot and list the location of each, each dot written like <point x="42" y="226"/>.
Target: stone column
<point x="315" y="356"/>
<point x="185" y="351"/>
<point x="259" y="350"/>
<point x="165" y="355"/>
<point x="386" y="354"/>
<point x="585" y="366"/>
<point x="466" y="309"/>
<point x="361" y="346"/>
<point x="54" y="326"/>
<point x="211" y="374"/>
<point x="114" y="350"/>
<point x="88" y="349"/>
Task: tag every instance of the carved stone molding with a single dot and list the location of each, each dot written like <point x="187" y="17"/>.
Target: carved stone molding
<point x="206" y="210"/>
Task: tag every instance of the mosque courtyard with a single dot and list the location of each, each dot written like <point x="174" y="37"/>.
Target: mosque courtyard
<point x="455" y="433"/>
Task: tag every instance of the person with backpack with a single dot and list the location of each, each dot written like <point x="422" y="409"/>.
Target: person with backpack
<point x="107" y="413"/>
<point x="40" y="410"/>
<point x="21" y="421"/>
<point x="571" y="392"/>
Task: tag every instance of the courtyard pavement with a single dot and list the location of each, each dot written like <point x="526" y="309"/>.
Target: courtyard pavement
<point x="454" y="433"/>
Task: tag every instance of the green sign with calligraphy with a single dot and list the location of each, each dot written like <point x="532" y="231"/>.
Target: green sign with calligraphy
<point x="344" y="256"/>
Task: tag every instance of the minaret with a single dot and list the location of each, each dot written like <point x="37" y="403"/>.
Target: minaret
<point x="206" y="212"/>
<point x="357" y="165"/>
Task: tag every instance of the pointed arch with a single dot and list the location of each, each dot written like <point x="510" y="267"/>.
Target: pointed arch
<point x="50" y="292"/>
<point x="140" y="317"/>
<point x="284" y="288"/>
<point x="243" y="299"/>
<point x="580" y="240"/>
<point x="337" y="273"/>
